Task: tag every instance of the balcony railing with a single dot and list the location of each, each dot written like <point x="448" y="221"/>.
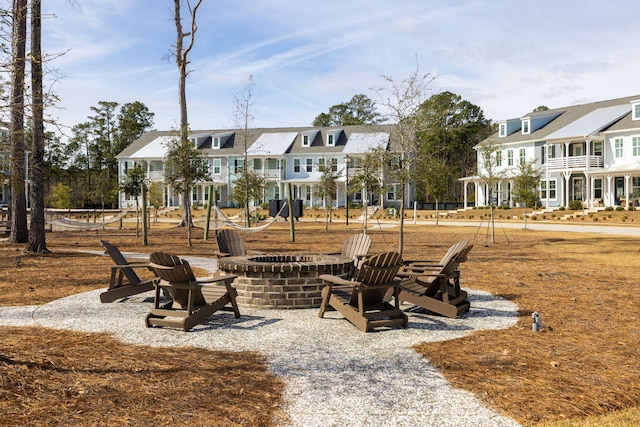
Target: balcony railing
<point x="576" y="162"/>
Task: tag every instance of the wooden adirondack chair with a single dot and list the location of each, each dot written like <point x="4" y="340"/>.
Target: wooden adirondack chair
<point x="193" y="300"/>
<point x="362" y="299"/>
<point x="231" y="243"/>
<point x="355" y="247"/>
<point x="436" y="287"/>
<point x="118" y="288"/>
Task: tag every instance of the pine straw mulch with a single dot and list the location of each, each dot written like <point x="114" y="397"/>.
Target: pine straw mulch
<point x="582" y="362"/>
<point x="67" y="378"/>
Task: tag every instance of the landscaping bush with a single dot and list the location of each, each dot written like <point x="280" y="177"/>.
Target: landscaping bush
<point x="575" y="205"/>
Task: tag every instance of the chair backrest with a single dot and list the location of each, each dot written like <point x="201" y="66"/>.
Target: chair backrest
<point x="230" y="242"/>
<point x="356" y="246"/>
<point x="453" y="251"/>
<point x="119" y="259"/>
<point x="377" y="270"/>
<point x="178" y="272"/>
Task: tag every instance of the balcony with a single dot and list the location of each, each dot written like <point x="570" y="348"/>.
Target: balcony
<point x="576" y="162"/>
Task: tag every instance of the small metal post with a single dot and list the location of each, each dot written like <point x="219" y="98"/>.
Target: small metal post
<point x="535" y="321"/>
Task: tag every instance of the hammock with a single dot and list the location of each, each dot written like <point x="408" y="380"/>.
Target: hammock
<point x="83" y="225"/>
<point x="224" y="219"/>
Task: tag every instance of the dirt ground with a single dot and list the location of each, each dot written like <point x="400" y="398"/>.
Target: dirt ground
<point x="583" y="362"/>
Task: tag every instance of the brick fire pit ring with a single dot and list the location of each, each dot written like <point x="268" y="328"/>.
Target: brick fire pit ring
<point x="282" y="281"/>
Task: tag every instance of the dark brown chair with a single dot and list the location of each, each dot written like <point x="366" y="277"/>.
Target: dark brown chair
<point x="193" y="300"/>
<point x="362" y="299"/>
<point x="118" y="287"/>
<point x="231" y="243"/>
<point x="436" y="287"/>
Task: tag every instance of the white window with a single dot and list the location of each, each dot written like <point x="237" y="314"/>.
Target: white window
<point x="330" y="140"/>
<point x="502" y="130"/>
<point x="334" y="164"/>
<point x="525" y="127"/>
<point x="619" y="147"/>
<point x="305" y="140"/>
<point x="523" y="158"/>
<point x="239" y="165"/>
<point x="597" y="148"/>
<point x="216" y="142"/>
<point x="636" y="111"/>
<point x="392" y="192"/>
<point x="551" y="190"/>
<point x="194" y="195"/>
<point x="498" y="158"/>
<point x="308" y="193"/>
<point x="216" y="166"/>
<point x="309" y="165"/>
<point x="296" y="165"/>
<point x="510" y="157"/>
<point x="636" y="146"/>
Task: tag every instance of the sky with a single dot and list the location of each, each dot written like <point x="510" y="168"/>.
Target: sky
<point x="507" y="57"/>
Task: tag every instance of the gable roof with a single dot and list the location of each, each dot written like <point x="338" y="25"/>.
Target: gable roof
<point x="567" y="116"/>
<point x="272" y="144"/>
<point x="591" y="122"/>
<point x="363" y="142"/>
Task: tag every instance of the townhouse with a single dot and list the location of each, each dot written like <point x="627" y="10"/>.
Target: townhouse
<point x="588" y="153"/>
<point x="281" y="156"/>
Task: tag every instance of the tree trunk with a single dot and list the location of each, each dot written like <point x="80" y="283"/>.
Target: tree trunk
<point x="36" y="241"/>
<point x="19" y="233"/>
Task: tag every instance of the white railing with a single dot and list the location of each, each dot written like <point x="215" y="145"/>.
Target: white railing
<point x="575" y="162"/>
<point x="156" y="176"/>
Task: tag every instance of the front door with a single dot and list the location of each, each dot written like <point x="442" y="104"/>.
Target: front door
<point x="619" y="183"/>
<point x="577" y="186"/>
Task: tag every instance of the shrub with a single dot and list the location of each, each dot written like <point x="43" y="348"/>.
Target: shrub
<point x="619" y="208"/>
<point x="561" y="208"/>
<point x="575" y="205"/>
<point x="608" y="208"/>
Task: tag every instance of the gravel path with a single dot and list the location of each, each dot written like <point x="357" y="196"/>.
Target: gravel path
<point x="335" y="374"/>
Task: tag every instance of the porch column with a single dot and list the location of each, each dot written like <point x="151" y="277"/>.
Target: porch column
<point x="567" y="181"/>
<point x="608" y="199"/>
<point x="465" y="195"/>
<point x="626" y="189"/>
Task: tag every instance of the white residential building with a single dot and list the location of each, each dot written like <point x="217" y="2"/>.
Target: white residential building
<point x="589" y="153"/>
<point x="281" y="156"/>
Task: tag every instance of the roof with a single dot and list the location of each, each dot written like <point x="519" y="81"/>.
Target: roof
<point x="355" y="139"/>
<point x="591" y="123"/>
<point x="567" y="116"/>
<point x="272" y="144"/>
<point x="360" y="143"/>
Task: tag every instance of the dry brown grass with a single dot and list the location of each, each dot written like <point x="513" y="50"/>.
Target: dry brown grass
<point x="583" y="362"/>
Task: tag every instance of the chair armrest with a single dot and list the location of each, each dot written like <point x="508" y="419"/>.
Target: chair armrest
<point x="131" y="265"/>
<point x="215" y="279"/>
<point x="220" y="254"/>
<point x="337" y="280"/>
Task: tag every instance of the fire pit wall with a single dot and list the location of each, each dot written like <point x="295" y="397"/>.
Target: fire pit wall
<point x="282" y="281"/>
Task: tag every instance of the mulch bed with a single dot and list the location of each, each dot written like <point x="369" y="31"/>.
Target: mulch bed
<point x="582" y="362"/>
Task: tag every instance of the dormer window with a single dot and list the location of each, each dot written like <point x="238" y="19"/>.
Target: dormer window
<point x="305" y="140"/>
<point x="635" y="110"/>
<point x="526" y="126"/>
<point x="502" y="130"/>
<point x="331" y="140"/>
<point x="216" y="142"/>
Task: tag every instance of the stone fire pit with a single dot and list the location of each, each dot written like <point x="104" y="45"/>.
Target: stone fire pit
<point x="282" y="281"/>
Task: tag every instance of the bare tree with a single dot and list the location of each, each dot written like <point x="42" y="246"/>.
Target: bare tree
<point x="181" y="56"/>
<point x="243" y="121"/>
<point x="19" y="233"/>
<point x="490" y="173"/>
<point x="36" y="241"/>
<point x="400" y="102"/>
